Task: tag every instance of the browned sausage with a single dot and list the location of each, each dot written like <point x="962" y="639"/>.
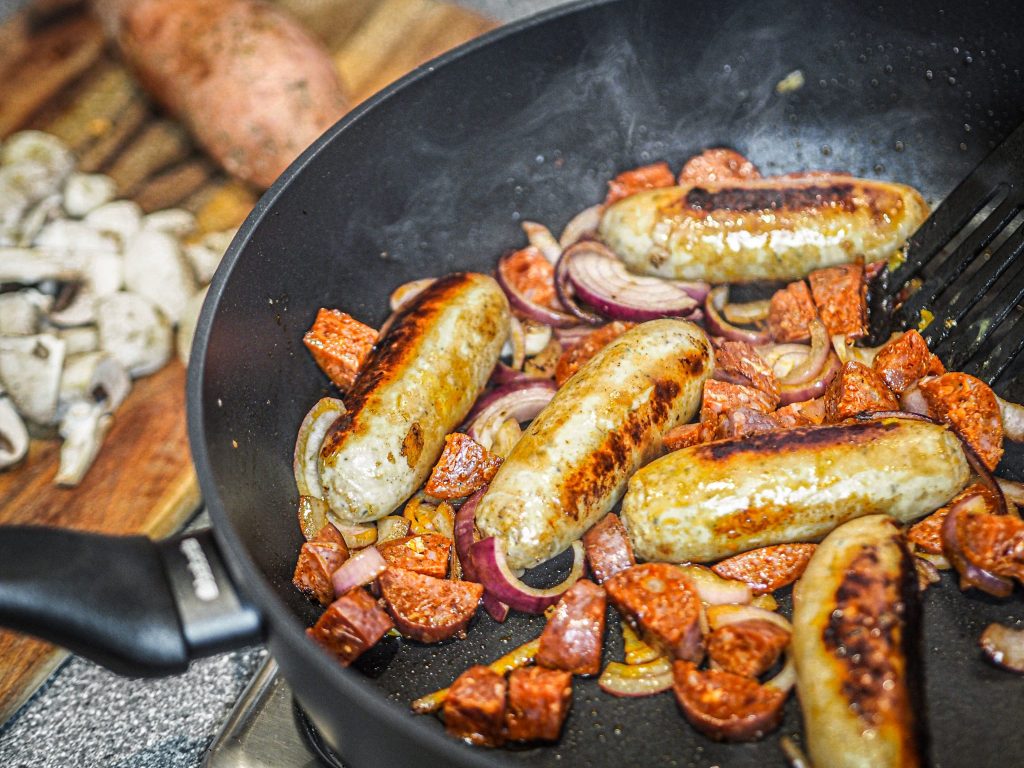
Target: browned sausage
<point x="724" y="706"/>
<point x="350" y="625"/>
<point x="748" y="648"/>
<point x="572" y="638"/>
<point x="662" y="605"/>
<point x="475" y="707"/>
<point x="538" y="702"/>
<point x="317" y="561"/>
<point x="737" y="362"/>
<point x="608" y="548"/>
<point x="766" y="569"/>
<point x="970" y="406"/>
<point x="428" y="609"/>
<point x="465" y="466"/>
<point x="839" y="292"/>
<point x="426" y="553"/>
<point x="856" y="389"/>
<point x="903" y="360"/>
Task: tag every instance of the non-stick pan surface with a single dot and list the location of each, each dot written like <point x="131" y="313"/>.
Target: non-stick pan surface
<point x="436" y="174"/>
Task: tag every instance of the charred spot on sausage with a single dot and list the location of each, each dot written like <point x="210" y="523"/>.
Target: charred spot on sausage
<point x="745" y="200"/>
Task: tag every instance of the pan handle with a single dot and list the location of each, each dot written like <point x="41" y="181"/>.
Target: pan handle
<point x="136" y="606"/>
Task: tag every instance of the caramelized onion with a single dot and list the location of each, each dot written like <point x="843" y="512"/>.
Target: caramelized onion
<point x="717" y="325"/>
<point x="465" y="537"/>
<point x="540" y="237"/>
<point x="810" y="368"/>
<point x="583" y="224"/>
<point x="1004" y="646"/>
<point x="1012" y="415"/>
<point x="797" y="393"/>
<point x="307" y="444"/>
<point x="492" y="569"/>
<point x="971" y="575"/>
<point x="635" y="680"/>
<point x="521" y="400"/>
<point x="531" y="309"/>
<point x="360" y="569"/>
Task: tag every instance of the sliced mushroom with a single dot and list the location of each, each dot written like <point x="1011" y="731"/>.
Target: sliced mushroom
<point x="32" y="265"/>
<point x="79" y="310"/>
<point x="96" y="377"/>
<point x="32" y="224"/>
<point x="30" y="368"/>
<point x="121" y="218"/>
<point x="84" y="192"/>
<point x="79" y="340"/>
<point x="40" y="148"/>
<point x="134" y="331"/>
<point x="104" y="273"/>
<point x="206" y="255"/>
<point x="187" y="325"/>
<point x="155" y="268"/>
<point x="83" y="428"/>
<point x="13" y="435"/>
<point x="75" y="237"/>
<point x="32" y="180"/>
<point x="19" y="314"/>
<point x="173" y="221"/>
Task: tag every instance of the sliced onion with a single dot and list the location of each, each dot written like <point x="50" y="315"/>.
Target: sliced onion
<point x="520" y="400"/>
<point x="406" y="292"/>
<point x="360" y="569"/>
<point x="505" y="438"/>
<point x="1012" y="490"/>
<point x="714" y="590"/>
<point x="504" y="374"/>
<point x="307" y="445"/>
<point x="970" y="574"/>
<point x="564" y="287"/>
<point x="811" y="366"/>
<point x="392" y="527"/>
<point x="357" y="535"/>
<point x="635" y="649"/>
<point x="312" y="516"/>
<point x="747" y="313"/>
<point x="529" y="308"/>
<point x="635" y="680"/>
<point x="516" y="343"/>
<point x="716" y="300"/>
<point x="724" y="615"/>
<point x="570" y="337"/>
<point x="1004" y="646"/>
<point x="465" y="537"/>
<point x="492" y="568"/>
<point x="797" y="393"/>
<point x="600" y="279"/>
<point x="1012" y="415"/>
<point x="583" y="224"/>
<point x="540" y="237"/>
<point x="786" y="679"/>
<point x="913" y="401"/>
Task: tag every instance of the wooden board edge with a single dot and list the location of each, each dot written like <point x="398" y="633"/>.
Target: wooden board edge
<point x="42" y="669"/>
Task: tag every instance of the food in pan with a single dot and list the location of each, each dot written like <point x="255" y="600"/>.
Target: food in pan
<point x="737" y="435"/>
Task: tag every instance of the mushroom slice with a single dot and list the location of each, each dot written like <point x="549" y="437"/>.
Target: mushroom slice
<point x="105" y="273"/>
<point x="75" y="237"/>
<point x="84" y="192"/>
<point x="155" y="268"/>
<point x="19" y="314"/>
<point x="31" y="265"/>
<point x="121" y="219"/>
<point x="134" y="331"/>
<point x="13" y="434"/>
<point x="206" y="255"/>
<point x="40" y="148"/>
<point x="30" y="368"/>
<point x="173" y="221"/>
<point x="78" y="340"/>
<point x="80" y="310"/>
<point x="96" y="377"/>
<point x="83" y="428"/>
<point x="32" y="224"/>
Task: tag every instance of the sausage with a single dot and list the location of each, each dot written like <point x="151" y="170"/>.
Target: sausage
<point x="608" y="548"/>
<point x="416" y="386"/>
<point x="727" y="707"/>
<point x="760" y="229"/>
<point x="425" y="553"/>
<point x="855" y="616"/>
<point x="747" y="648"/>
<point x="971" y="407"/>
<point x="767" y="568"/>
<point x="538" y="702"/>
<point x="903" y="360"/>
<point x="840" y="293"/>
<point x="738" y="362"/>
<point x="350" y="625"/>
<point x="317" y="561"/>
<point x="428" y="609"/>
<point x="465" y="466"/>
<point x="475" y="707"/>
<point x="662" y="605"/>
<point x="573" y="636"/>
<point x="571" y="465"/>
<point x="855" y="389"/>
<point x="712" y="501"/>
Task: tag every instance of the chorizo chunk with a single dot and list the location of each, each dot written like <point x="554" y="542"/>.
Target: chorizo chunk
<point x="745" y="422"/>
<point x="532" y="275"/>
<point x="428" y="609"/>
<point x="684" y="436"/>
<point x="721" y="397"/>
<point x="803" y="414"/>
<point x="790" y="311"/>
<point x="903" y="360"/>
<point x="855" y="389"/>
<point x="339" y="344"/>
<point x="767" y="568"/>
<point x="724" y="706"/>
<point x="663" y="605"/>
<point x="538" y="703"/>
<point x="926" y="534"/>
<point x="748" y="648"/>
<point x="465" y="466"/>
<point x="576" y="356"/>
<point x="317" y="561"/>
<point x="840" y="295"/>
<point x="968" y="405"/>
<point x="572" y="638"/>
<point x="717" y="165"/>
<point x="608" y="548"/>
<point x="350" y="625"/>
<point x="425" y="553"/>
<point x="737" y="362"/>
<point x="637" y="180"/>
<point x="475" y="707"/>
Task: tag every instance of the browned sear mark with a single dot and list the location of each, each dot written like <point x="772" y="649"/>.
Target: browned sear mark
<point x="791" y="198"/>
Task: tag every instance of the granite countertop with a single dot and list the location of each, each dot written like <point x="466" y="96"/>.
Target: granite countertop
<point x="85" y="717"/>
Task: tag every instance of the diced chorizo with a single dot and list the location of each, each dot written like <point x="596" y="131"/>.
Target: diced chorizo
<point x="721" y="397"/>
<point x="840" y="295"/>
<point x="790" y="312"/>
<point x="662" y="605"/>
<point x="425" y="553"/>
<point x="968" y="405"/>
<point x="803" y="414"/>
<point x="465" y="466"/>
<point x="926" y="534"/>
<point x="317" y="561"/>
<point x="573" y="636"/>
<point x="538" y="703"/>
<point x="576" y="356"/>
<point x="330" y="533"/>
<point x="339" y="344"/>
<point x="724" y="706"/>
<point x="608" y="549"/>
<point x="637" y="180"/>
<point x="350" y="625"/>
<point x="737" y="362"/>
<point x="428" y="609"/>
<point x="745" y="422"/>
<point x="474" y="709"/>
<point x="903" y="360"/>
<point x="717" y="165"/>
<point x="855" y="389"/>
<point x="748" y="648"/>
<point x="767" y="568"/>
<point x="684" y="436"/>
<point x="532" y="275"/>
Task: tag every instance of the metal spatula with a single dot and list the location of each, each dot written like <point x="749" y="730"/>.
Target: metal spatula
<point x="962" y="271"/>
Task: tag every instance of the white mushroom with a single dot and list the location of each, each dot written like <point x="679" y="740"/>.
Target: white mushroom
<point x="206" y="255"/>
<point x="20" y="314"/>
<point x="30" y="368"/>
<point x="84" y="192"/>
<point x="41" y="148"/>
<point x="13" y="435"/>
<point x="187" y="325"/>
<point x="155" y="268"/>
<point x="81" y="310"/>
<point x="96" y="377"/>
<point x="134" y="331"/>
<point x="83" y="428"/>
<point x="76" y="237"/>
<point x="121" y="218"/>
<point x="35" y="219"/>
<point x="173" y="221"/>
<point x="31" y="265"/>
<point x="79" y="340"/>
<point x="104" y="273"/>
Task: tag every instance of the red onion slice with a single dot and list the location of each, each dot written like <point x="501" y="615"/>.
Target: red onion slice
<point x="811" y="366"/>
<point x="521" y="400"/>
<point x="492" y="568"/>
<point x="1004" y="646"/>
<point x="786" y="679"/>
<point x="540" y="237"/>
<point x="360" y="569"/>
<point x="600" y="279"/>
<point x="530" y="309"/>
<point x="307" y="445"/>
<point x="970" y="574"/>
<point x="714" y="590"/>
<point x="797" y="393"/>
<point x="717" y="325"/>
<point x="570" y="337"/>
<point x="724" y="615"/>
<point x="564" y="287"/>
<point x="583" y="224"/>
<point x="633" y="681"/>
<point x="406" y="292"/>
<point x="465" y="537"/>
<point x="913" y="401"/>
<point x="747" y="313"/>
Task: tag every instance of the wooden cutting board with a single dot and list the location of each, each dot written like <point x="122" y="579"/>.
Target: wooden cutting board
<point x="59" y="76"/>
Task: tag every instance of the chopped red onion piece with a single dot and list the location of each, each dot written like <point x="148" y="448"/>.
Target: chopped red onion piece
<point x="465" y="537"/>
<point x="717" y="325"/>
<point x="540" y="237"/>
<point x="360" y="569"/>
<point x="490" y="564"/>
<point x="583" y="224"/>
<point x="970" y="574"/>
<point x="530" y="309"/>
<point x="797" y="393"/>
<point x="521" y="400"/>
<point x="307" y="444"/>
<point x="811" y="366"/>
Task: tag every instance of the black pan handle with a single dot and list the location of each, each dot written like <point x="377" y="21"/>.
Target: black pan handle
<point x="136" y="606"/>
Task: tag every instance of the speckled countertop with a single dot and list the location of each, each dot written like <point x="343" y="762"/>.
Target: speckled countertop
<point x="86" y="717"/>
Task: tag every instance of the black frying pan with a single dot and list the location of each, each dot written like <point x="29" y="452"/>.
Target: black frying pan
<point x="433" y="176"/>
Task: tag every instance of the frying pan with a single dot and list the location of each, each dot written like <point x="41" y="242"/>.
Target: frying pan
<point x="434" y="175"/>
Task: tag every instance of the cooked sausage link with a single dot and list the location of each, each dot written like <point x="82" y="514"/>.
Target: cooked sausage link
<point x="840" y="295"/>
<point x="350" y="625"/>
<point x="465" y="466"/>
<point x="426" y="553"/>
<point x="748" y="648"/>
<point x="428" y="609"/>
<point x="573" y="636"/>
<point x="317" y="561"/>
<point x="903" y="360"/>
<point x="724" y="706"/>
<point x="538" y="703"/>
<point x="475" y="707"/>
<point x="766" y="569"/>
<point x="855" y="389"/>
<point x="608" y="548"/>
<point x="790" y="312"/>
<point x="970" y="406"/>
<point x="663" y="605"/>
